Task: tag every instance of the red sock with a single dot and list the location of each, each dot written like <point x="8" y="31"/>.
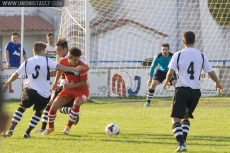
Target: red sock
<point x="51" y="118"/>
<point x="73" y="115"/>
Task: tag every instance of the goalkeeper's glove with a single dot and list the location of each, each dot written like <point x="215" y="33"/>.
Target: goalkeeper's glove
<point x="150" y="81"/>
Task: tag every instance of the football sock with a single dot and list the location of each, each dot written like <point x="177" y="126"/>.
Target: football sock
<point x="34" y="121"/>
<point x="45" y="117"/>
<point x="73" y="115"/>
<point x="150" y="95"/>
<point x="66" y="110"/>
<point x="178" y="133"/>
<point x="185" y="127"/>
<point x="51" y="118"/>
<point x="16" y="118"/>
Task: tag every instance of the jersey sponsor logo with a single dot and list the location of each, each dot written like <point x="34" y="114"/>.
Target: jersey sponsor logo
<point x="125" y="86"/>
<point x="16" y="53"/>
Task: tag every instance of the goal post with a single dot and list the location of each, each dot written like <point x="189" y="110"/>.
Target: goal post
<point x="124" y="36"/>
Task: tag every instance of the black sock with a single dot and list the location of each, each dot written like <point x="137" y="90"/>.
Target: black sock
<point x="185" y="128"/>
<point x="34" y="121"/>
<point x="16" y="118"/>
<point x="178" y="133"/>
<point x="150" y="95"/>
<point x="45" y="117"/>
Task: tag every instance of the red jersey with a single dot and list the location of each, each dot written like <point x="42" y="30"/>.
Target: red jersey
<point x="75" y="77"/>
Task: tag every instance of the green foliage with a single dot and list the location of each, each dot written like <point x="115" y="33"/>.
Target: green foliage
<point x="220" y="11"/>
<point x="142" y="129"/>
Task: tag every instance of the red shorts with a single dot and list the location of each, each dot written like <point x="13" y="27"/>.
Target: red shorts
<point x="70" y="94"/>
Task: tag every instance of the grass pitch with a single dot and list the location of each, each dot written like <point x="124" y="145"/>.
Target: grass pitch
<point x="142" y="129"/>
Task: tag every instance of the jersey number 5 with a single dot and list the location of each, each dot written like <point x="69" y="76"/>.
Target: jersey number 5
<point x="190" y="70"/>
<point x="37" y="68"/>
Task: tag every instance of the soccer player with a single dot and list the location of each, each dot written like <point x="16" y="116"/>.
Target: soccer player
<point x="76" y="88"/>
<point x="13" y="52"/>
<point x="37" y="91"/>
<point x="189" y="62"/>
<point x="51" y="48"/>
<point x="162" y="61"/>
<point x="62" y="52"/>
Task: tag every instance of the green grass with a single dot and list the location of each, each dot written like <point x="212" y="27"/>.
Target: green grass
<point x="142" y="130"/>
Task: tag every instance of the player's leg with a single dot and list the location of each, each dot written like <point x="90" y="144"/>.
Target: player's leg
<point x="39" y="105"/>
<point x="178" y="109"/>
<point x="46" y="110"/>
<point x="26" y="102"/>
<point x="66" y="109"/>
<point x="73" y="115"/>
<point x="15" y="120"/>
<point x="158" y="78"/>
<point x="185" y="126"/>
<point x="58" y="102"/>
<point x="80" y="98"/>
<point x="191" y="105"/>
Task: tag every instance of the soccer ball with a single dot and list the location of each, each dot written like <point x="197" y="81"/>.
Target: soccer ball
<point x="112" y="129"/>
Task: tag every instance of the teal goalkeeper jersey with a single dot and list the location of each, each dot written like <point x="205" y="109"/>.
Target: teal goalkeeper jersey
<point x="161" y="63"/>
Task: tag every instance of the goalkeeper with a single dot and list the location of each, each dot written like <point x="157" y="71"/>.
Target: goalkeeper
<point x="161" y="61"/>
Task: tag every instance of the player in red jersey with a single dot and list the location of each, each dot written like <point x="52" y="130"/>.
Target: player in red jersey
<point x="75" y="88"/>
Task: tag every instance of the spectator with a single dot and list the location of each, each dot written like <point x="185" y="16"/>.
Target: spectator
<point x="13" y="52"/>
<point x="51" y="47"/>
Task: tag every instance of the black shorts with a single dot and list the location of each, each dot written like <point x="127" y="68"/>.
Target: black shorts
<point x="57" y="91"/>
<point x="184" y="102"/>
<point x="30" y="97"/>
<point x="161" y="76"/>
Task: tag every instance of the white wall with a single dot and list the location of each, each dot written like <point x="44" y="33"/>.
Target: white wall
<point x="127" y="43"/>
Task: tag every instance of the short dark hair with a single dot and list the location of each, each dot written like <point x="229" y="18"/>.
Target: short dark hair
<point x="14" y="33"/>
<point x="49" y="34"/>
<point x="75" y="51"/>
<point x="39" y="46"/>
<point x="165" y="45"/>
<point x="62" y="42"/>
<point x="189" y="37"/>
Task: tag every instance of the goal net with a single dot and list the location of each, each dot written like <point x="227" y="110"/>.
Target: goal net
<point x="125" y="36"/>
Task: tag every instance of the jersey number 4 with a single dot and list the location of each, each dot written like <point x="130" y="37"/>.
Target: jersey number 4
<point x="190" y="70"/>
<point x="37" y="68"/>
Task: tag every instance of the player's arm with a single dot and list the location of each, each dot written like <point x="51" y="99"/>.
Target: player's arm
<point x="25" y="57"/>
<point x="152" y="67"/>
<point x="58" y="76"/>
<point x="213" y="76"/>
<point x="75" y="85"/>
<point x="172" y="67"/>
<point x="53" y="73"/>
<point x="11" y="79"/>
<point x="208" y="69"/>
<point x="7" y="59"/>
<point x="87" y="67"/>
<point x="168" y="78"/>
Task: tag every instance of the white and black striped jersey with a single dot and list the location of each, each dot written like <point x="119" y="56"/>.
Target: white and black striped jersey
<point x="38" y="76"/>
<point x="189" y="62"/>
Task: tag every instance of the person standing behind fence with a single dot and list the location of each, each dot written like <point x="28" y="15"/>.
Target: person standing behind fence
<point x="13" y="52"/>
<point x="51" y="47"/>
<point x="189" y="62"/>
